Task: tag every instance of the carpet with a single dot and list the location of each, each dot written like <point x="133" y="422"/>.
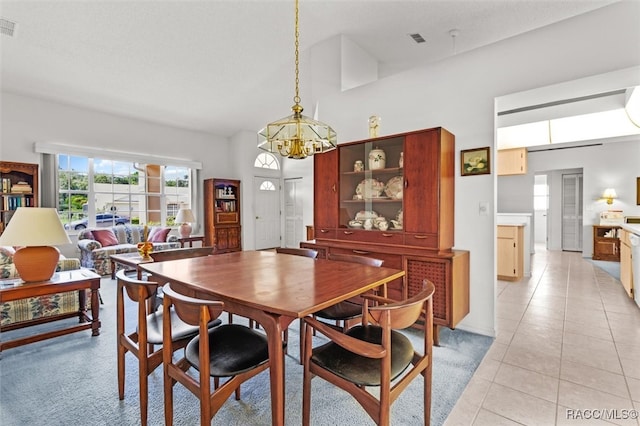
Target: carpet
<point x="611" y="268"/>
<point x="72" y="380"/>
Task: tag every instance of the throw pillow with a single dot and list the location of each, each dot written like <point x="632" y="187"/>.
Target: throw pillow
<point x="159" y="235"/>
<point x="106" y="237"/>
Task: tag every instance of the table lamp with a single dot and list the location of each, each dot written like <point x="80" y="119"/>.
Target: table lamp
<point x="35" y="230"/>
<point x="185" y="218"/>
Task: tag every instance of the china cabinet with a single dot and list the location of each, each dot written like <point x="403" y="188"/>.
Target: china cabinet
<point x="222" y="215"/>
<point x="19" y="188"/>
<point x="401" y="212"/>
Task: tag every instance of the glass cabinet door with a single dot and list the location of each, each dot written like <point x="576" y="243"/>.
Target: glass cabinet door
<point x="371" y="185"/>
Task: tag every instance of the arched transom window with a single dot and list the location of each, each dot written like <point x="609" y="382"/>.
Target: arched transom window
<point x="266" y="161"/>
<point x="267" y="185"/>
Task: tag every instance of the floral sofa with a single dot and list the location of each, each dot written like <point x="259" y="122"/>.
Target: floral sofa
<point x="17" y="311"/>
<point x="96" y="245"/>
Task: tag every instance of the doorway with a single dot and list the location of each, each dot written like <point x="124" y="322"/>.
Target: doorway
<point x="572" y="212"/>
<point x="293" y="218"/>
<point x="540" y="210"/>
<point x="267" y="209"/>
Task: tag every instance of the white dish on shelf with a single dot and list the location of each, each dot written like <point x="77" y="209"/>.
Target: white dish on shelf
<point x="366" y="214"/>
<point x="394" y="187"/>
<point x="370" y="188"/>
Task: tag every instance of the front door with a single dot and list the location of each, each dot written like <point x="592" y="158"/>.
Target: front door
<point x="267" y="208"/>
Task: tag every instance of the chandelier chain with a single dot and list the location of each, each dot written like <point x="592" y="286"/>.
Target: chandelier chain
<point x="296" y="98"/>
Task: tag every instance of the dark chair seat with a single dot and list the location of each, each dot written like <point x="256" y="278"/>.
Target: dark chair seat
<point x="179" y="329"/>
<point x="234" y="350"/>
<point x="341" y="311"/>
<point x="361" y="370"/>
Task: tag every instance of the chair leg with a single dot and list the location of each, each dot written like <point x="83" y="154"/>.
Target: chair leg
<point x="121" y="370"/>
<point x="144" y="390"/>
<point x="306" y="384"/>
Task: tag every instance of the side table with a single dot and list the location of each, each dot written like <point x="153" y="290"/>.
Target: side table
<point x="184" y="240"/>
<point x="76" y="280"/>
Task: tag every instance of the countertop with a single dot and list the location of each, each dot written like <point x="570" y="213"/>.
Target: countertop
<point x="632" y="227"/>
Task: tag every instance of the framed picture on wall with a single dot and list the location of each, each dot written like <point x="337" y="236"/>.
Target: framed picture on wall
<point x="475" y="161"/>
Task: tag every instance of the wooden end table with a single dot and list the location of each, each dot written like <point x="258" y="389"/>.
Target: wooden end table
<point x="184" y="240"/>
<point x="75" y="280"/>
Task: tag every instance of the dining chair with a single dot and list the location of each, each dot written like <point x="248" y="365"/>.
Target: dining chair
<point x="232" y="351"/>
<point x="296" y="252"/>
<point x="148" y="332"/>
<point x="373" y="354"/>
<point x="182" y="253"/>
<point x="175" y="254"/>
<point x="344" y="313"/>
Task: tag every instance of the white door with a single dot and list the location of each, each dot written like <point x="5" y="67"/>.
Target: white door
<point x="540" y="208"/>
<point x="293" y="223"/>
<point x="572" y="212"/>
<point x="267" y="209"/>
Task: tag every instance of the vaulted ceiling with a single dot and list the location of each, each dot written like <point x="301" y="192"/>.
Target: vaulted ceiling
<point x="222" y="66"/>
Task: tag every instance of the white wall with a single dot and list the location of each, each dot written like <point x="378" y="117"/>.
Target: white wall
<point x="26" y="120"/>
<point x="459" y="94"/>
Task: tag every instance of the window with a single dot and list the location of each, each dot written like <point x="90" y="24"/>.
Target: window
<point x="102" y="192"/>
<point x="267" y="186"/>
<point x="266" y="161"/>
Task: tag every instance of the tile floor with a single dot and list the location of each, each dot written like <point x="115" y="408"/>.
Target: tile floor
<point x="567" y="345"/>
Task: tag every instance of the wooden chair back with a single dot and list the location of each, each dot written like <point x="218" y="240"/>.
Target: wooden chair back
<point x="353" y="258"/>
<point x="371" y="357"/>
<point x="140" y="340"/>
<point x="181" y="253"/>
<point x="214" y="353"/>
<point x="298" y="252"/>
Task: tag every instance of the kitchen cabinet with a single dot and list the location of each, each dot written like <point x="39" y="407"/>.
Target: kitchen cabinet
<point x="512" y="161"/>
<point x="222" y="215"/>
<point x="626" y="267"/>
<point x="392" y="198"/>
<point x="510" y="252"/>
<point x="19" y="188"/>
<point x="606" y="244"/>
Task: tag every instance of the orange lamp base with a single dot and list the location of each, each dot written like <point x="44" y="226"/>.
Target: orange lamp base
<point x="36" y="263"/>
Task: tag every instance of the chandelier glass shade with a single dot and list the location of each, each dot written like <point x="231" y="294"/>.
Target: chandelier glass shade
<point x="297" y="136"/>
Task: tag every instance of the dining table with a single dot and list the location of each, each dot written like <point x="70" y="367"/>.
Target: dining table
<point x="273" y="289"/>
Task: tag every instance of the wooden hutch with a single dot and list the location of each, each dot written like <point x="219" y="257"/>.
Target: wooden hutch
<point x="222" y="215"/>
<point x="414" y="192"/>
<point x="18" y="188"/>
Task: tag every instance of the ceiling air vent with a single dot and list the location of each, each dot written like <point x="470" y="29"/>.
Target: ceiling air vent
<point x="417" y="38"/>
<point x="8" y="27"/>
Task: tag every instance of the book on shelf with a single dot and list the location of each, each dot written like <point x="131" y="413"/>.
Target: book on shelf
<point x="21" y="187"/>
<point x="6" y="185"/>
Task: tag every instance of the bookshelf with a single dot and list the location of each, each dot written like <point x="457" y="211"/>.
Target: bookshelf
<point x="18" y="188"/>
<point x="222" y="214"/>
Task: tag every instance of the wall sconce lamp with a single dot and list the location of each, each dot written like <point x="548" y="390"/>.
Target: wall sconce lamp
<point x="35" y="229"/>
<point x="609" y="194"/>
<point x="185" y="218"/>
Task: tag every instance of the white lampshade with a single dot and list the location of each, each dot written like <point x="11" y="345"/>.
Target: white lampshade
<point x="34" y="226"/>
<point x="609" y="194"/>
<point x="35" y="229"/>
<point x="185" y="218"/>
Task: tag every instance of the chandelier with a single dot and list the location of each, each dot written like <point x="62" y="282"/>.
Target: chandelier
<point x="297" y="136"/>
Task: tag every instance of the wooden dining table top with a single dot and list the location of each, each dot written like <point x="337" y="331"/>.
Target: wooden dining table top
<point x="273" y="289"/>
<point x="281" y="284"/>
